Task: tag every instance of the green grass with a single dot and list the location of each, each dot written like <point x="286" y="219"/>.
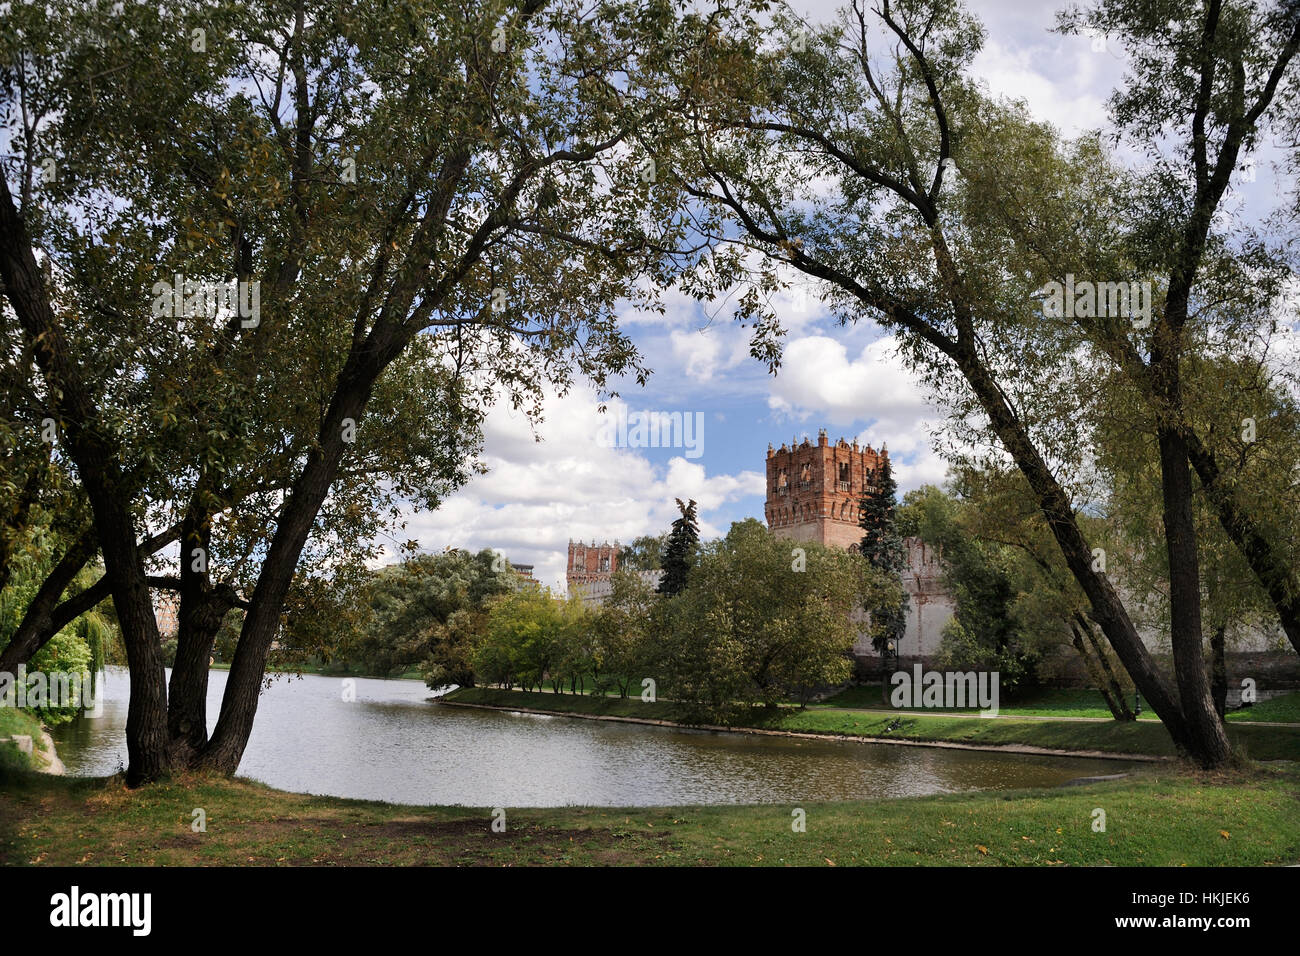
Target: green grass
<point x="14" y="721"/>
<point x="1161" y="818"/>
<point x="1284" y="709"/>
<point x="1259" y="743"/>
<point x="1045" y="702"/>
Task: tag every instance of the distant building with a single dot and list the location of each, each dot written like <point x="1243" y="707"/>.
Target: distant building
<point x="589" y="573"/>
<point x="524" y="577"/>
<point x="590" y="570"/>
<point x="813" y="495"/>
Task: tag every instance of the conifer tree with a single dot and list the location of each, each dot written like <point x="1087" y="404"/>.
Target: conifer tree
<point x="882" y="546"/>
<point x="679" y="555"/>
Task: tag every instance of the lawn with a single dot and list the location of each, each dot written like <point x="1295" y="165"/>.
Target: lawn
<point x="1163" y="817"/>
<point x="14" y="721"/>
<point x="1284" y="709"/>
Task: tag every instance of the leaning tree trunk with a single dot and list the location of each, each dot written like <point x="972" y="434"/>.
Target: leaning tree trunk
<point x="1219" y="671"/>
<point x="42" y="620"/>
<point x="261" y="624"/>
<point x="109" y="495"/>
<point x="1116" y="689"/>
<point x="1275" y="573"/>
<point x="1107" y="609"/>
<point x="1094" y="671"/>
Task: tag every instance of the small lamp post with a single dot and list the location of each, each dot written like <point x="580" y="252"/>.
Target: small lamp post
<point x="1137" y="698"/>
<point x="891" y="650"/>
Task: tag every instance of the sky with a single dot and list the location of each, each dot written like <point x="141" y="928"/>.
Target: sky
<point x="567" y="481"/>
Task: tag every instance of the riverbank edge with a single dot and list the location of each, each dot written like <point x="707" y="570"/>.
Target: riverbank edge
<point x="43" y="756"/>
<point x="813" y="735"/>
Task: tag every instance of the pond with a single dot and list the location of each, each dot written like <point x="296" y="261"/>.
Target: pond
<point x="393" y="744"/>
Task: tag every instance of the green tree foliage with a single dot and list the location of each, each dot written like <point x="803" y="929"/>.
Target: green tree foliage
<point x="530" y="637"/>
<point x="867" y="157"/>
<point x="428" y="611"/>
<point x="645" y="553"/>
<point x="441" y="206"/>
<point x="763" y="620"/>
<point x="1017" y="607"/>
<point x="77" y="650"/>
<point x="680" y="551"/>
<point x="884" y="550"/>
<point x="623" y="631"/>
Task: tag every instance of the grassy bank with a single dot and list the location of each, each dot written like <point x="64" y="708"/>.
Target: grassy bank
<point x="1066" y="702"/>
<point x="1260" y="743"/>
<point x="1159" y="818"/>
<point x="18" y="722"/>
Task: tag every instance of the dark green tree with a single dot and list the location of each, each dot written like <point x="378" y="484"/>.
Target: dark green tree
<point x="882" y="546"/>
<point x="679" y="555"/>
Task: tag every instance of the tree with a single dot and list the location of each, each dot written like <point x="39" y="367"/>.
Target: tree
<point x="644" y="553"/>
<point x="679" y="553"/>
<point x="77" y="649"/>
<point x="872" y="178"/>
<point x="762" y="620"/>
<point x="427" y="611"/>
<point x="438" y="206"/>
<point x="525" y="639"/>
<point x="622" y="629"/>
<point x="884" y="550"/>
<point x="1213" y="86"/>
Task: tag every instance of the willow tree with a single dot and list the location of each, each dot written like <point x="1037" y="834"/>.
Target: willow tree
<point x="855" y="153"/>
<point x="435" y="207"/>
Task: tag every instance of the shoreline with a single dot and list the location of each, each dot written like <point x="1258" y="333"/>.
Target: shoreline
<point x="810" y="735"/>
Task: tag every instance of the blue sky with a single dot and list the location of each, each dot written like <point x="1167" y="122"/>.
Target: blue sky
<point x="539" y="494"/>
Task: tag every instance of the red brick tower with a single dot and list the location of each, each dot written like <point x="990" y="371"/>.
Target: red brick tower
<point x="813" y="490"/>
<point x="591" y="562"/>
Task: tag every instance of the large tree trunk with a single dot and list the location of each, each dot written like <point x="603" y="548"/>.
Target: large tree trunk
<point x="261" y="624"/>
<point x="109" y="495"/>
<point x="1107" y="609"/>
<point x="1186" y="637"/>
<point x="200" y="617"/>
<point x="1196" y="730"/>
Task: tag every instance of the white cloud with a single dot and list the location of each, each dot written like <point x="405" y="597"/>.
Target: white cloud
<point x="539" y="494"/>
<point x="1062" y="80"/>
<point x="819" y="384"/>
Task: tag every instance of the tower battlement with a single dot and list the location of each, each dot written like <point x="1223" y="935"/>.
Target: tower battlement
<point x="591" y="562"/>
<point x="813" y="490"/>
